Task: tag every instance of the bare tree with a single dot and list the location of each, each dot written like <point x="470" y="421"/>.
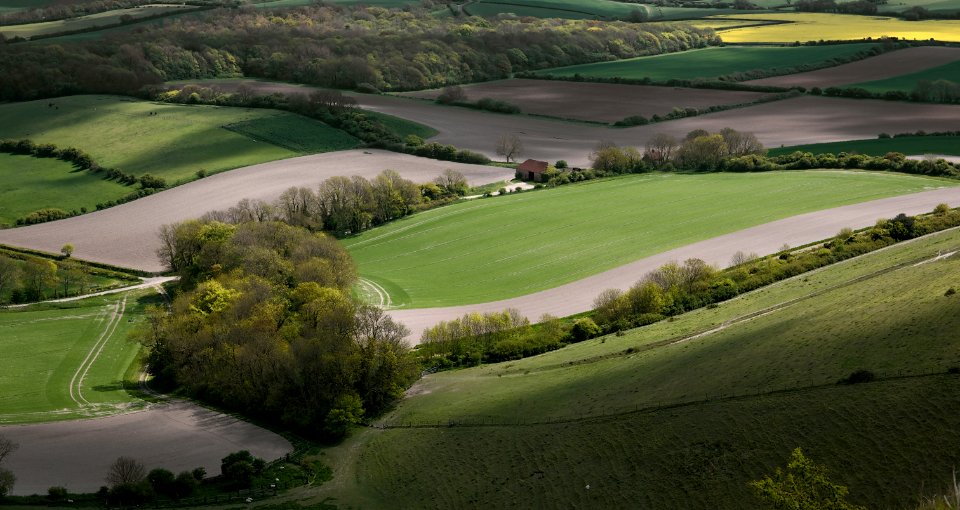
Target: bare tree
<point x="510" y="147"/>
<point x="742" y="258"/>
<point x="660" y="148"/>
<point x="741" y="144"/>
<point x="7" y="446"/>
<point x="452" y="181"/>
<point x="125" y="470"/>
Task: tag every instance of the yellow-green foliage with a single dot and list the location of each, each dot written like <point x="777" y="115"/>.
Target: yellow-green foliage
<point x="87" y="22"/>
<point x="804" y="27"/>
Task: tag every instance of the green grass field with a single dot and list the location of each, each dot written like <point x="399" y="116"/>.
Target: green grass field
<point x="709" y="62"/>
<point x="70" y="360"/>
<point x="569" y="9"/>
<point x="753" y="391"/>
<point x="508" y="246"/>
<point x="402" y="127"/>
<point x="140" y="137"/>
<point x="88" y="22"/>
<point x="943" y="6"/>
<point x="806" y="26"/>
<point x="28" y="184"/>
<point x="8" y="6"/>
<point x="910" y="145"/>
<point x="907" y="82"/>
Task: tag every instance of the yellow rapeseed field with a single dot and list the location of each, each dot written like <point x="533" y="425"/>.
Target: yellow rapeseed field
<point x="805" y="27"/>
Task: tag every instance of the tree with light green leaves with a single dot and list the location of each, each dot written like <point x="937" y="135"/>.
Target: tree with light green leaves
<point x="802" y="486"/>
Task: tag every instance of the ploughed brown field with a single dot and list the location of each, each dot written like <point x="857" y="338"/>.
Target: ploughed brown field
<point x="887" y="65"/>
<point x="601" y="102"/>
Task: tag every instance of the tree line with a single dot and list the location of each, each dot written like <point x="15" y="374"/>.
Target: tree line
<point x="265" y="324"/>
<point x="330" y="46"/>
<point x="348" y="205"/>
<point x="27" y="279"/>
<point x="65" y="9"/>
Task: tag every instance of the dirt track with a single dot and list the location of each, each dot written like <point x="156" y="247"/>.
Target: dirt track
<point x="887" y="65"/>
<point x="126" y="235"/>
<point x="764" y="239"/>
<point x="177" y="436"/>
<point x="603" y="102"/>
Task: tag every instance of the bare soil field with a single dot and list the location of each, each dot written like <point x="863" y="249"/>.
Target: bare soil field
<point x="797" y="121"/>
<point x="126" y="235"/>
<point x="799" y="230"/>
<point x="886" y="65"/>
<point x="177" y="436"/>
<point x="602" y="102"/>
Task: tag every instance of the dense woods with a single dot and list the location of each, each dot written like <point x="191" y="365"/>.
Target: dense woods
<point x="265" y="324"/>
<point x="329" y="46"/>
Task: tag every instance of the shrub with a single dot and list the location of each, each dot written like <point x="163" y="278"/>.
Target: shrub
<point x="951" y="291"/>
<point x="858" y="377"/>
<point x="584" y="329"/>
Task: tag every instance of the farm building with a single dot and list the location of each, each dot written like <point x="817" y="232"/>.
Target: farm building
<point x="531" y="170"/>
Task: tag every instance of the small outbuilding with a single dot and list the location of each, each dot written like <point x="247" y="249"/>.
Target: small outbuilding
<point x="531" y="170"/>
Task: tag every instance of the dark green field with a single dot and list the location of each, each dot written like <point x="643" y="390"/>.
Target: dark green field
<point x="907" y="82"/>
<point x="910" y="145"/>
<point x="686" y="424"/>
<point x="709" y="62"/>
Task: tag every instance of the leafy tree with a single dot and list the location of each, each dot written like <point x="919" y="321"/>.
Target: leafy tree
<point x="39" y="274"/>
<point x="584" y="329"/>
<point x="802" y="486"/>
<point x="7" y="481"/>
<point x="162" y="482"/>
<point x="9" y="275"/>
<point x="66" y="250"/>
<point x="453" y="182"/>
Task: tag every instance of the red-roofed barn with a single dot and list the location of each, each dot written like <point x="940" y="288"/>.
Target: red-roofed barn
<point x="531" y="170"/>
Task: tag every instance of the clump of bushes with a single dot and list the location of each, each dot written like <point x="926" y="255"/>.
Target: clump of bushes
<point x="858" y="377"/>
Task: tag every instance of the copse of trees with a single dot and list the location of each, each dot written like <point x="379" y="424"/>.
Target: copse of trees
<point x="265" y="324"/>
<point x="331" y="46"/>
<point x="28" y="279"/>
<point x="348" y="205"/>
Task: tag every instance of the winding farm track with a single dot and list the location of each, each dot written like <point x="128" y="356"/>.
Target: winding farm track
<point x="176" y="435"/>
<point x="763" y="239"/>
<point x="126" y="235"/>
<point x="886" y="65"/>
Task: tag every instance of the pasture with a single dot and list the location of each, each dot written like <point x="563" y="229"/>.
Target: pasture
<point x="803" y="27"/>
<point x="71" y="360"/>
<point x="923" y="60"/>
<point x="91" y="21"/>
<point x="710" y="62"/>
<point x="28" y="184"/>
<point x="569" y="9"/>
<point x="909" y="145"/>
<point x="670" y="416"/>
<point x="907" y="82"/>
<point x="598" y="102"/>
<point x="509" y="246"/>
<point x="165" y="140"/>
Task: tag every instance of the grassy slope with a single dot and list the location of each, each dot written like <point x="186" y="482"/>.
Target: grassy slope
<point x="885" y="439"/>
<point x="907" y="82"/>
<point x="89" y="21"/>
<point x="174" y="144"/>
<point x="709" y="62"/>
<point x="817" y="26"/>
<point x="45" y="346"/>
<point x="28" y="184"/>
<point x="572" y="9"/>
<point x="911" y="145"/>
<point x="508" y="246"/>
<point x="931" y="5"/>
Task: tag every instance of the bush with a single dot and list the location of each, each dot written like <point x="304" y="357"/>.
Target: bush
<point x="584" y="329"/>
<point x="951" y="291"/>
<point x="858" y="377"/>
<point x="496" y="105"/>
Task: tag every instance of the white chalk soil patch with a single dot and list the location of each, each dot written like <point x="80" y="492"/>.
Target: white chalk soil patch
<point x="177" y="435"/>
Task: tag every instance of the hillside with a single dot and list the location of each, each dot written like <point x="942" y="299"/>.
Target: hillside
<point x="686" y="423"/>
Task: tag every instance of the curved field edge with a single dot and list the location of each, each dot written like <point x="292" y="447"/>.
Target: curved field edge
<point x="73" y="360"/>
<point x="511" y="246"/>
<point x="602" y="409"/>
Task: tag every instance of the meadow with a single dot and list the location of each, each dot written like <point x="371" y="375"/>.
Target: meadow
<point x="803" y="27"/>
<point x="71" y="360"/>
<point x="518" y="244"/>
<point x="710" y="62"/>
<point x="945" y="6"/>
<point x="910" y="145"/>
<point x="685" y="412"/>
<point x="171" y="141"/>
<point x="569" y="9"/>
<point x="28" y="184"/>
<point x="101" y="19"/>
<point x="907" y="82"/>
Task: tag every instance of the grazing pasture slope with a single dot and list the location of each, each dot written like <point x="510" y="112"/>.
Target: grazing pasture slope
<point x="609" y="435"/>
